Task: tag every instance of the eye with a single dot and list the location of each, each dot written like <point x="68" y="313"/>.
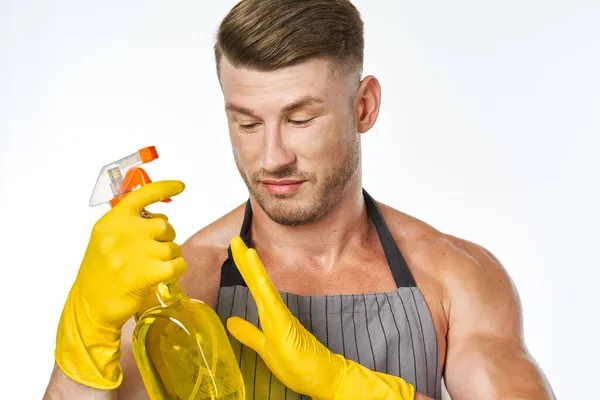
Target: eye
<point x="249" y="127"/>
<point x="303" y="122"/>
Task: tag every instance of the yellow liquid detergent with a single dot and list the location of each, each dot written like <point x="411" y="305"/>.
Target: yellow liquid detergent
<point x="183" y="352"/>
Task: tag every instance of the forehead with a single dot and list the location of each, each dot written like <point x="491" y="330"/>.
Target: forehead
<point x="260" y="89"/>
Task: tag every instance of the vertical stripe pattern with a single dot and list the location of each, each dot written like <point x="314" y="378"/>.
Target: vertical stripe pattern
<point x="390" y="333"/>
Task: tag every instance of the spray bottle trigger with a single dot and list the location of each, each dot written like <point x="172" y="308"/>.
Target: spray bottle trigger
<point x="133" y="178"/>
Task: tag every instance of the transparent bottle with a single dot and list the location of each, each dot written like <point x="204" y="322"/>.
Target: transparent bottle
<point x="180" y="345"/>
<point x="182" y="350"/>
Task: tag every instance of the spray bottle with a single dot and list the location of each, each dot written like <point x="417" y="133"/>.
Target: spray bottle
<point x="180" y="345"/>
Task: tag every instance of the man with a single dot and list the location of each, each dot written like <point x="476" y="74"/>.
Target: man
<point x="392" y="303"/>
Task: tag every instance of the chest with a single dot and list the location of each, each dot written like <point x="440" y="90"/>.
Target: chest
<point x="360" y="276"/>
<point x="366" y="273"/>
<point x="389" y="332"/>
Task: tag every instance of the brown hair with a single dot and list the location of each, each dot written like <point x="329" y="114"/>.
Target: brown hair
<point x="272" y="34"/>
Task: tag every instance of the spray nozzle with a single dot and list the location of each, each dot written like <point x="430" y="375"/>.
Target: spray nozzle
<point x="119" y="178"/>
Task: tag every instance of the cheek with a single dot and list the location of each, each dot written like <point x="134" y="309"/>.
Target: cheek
<point x="246" y="149"/>
<point x="316" y="143"/>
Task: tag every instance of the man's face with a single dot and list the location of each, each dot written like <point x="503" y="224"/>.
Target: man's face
<point x="294" y="138"/>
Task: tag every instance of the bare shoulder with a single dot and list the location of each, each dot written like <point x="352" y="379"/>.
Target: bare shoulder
<point x="468" y="281"/>
<point x="205" y="251"/>
<point x="476" y="311"/>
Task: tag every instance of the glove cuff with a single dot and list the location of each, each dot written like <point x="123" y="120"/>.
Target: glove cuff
<point x="359" y="383"/>
<point x="85" y="351"/>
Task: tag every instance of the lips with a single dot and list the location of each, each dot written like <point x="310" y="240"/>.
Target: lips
<point x="283" y="186"/>
<point x="281" y="181"/>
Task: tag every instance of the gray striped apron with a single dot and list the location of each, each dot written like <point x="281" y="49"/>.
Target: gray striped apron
<point x="392" y="332"/>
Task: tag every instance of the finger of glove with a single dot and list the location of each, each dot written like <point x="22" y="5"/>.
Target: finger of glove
<point x="271" y="308"/>
<point x="247" y="334"/>
<point x="150" y="193"/>
<point x="159" y="216"/>
<point x="164" y="251"/>
<point x="155" y="271"/>
<point x="155" y="228"/>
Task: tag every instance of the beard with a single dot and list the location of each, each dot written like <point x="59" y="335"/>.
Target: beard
<point x="326" y="191"/>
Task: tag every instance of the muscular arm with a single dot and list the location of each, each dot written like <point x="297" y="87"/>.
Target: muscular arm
<point x="486" y="355"/>
<point x="61" y="387"/>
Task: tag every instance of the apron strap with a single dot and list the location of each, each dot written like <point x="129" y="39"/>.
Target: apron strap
<point x="398" y="266"/>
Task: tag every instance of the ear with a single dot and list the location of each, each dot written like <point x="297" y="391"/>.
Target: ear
<point x="368" y="100"/>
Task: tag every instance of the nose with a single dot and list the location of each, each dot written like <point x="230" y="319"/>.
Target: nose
<point x="275" y="154"/>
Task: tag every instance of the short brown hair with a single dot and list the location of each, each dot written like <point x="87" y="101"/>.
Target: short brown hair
<point x="270" y="34"/>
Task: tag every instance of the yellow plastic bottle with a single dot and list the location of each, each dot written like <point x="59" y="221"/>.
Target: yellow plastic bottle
<point x="182" y="350"/>
<point x="180" y="345"/>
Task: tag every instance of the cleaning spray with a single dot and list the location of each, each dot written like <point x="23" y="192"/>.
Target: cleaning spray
<point x="180" y="345"/>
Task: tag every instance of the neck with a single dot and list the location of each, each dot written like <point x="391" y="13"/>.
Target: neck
<point x="323" y="241"/>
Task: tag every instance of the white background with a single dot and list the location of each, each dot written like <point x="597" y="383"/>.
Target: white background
<point x="489" y="130"/>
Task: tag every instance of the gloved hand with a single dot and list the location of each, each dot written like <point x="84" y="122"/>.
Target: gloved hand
<point x="294" y="355"/>
<point x="127" y="255"/>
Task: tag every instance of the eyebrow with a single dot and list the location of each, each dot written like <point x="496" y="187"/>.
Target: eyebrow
<point x="302" y="102"/>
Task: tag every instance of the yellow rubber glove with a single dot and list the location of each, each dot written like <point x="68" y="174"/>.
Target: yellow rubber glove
<point x="127" y="255"/>
<point x="294" y="355"/>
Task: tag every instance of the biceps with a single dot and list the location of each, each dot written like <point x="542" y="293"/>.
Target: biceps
<point x="492" y="368"/>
